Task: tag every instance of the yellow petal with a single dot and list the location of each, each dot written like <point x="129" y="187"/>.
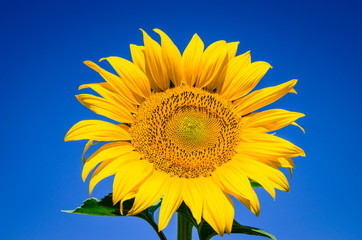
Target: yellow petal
<point x="125" y="127"/>
<point x="150" y="192"/>
<point x="138" y="56"/>
<point x="129" y="177"/>
<point x="271" y="120"/>
<point x="291" y="173"/>
<point x="267" y="176"/>
<point x="233" y="180"/>
<point x="293" y="91"/>
<point x="170" y="202"/>
<point x="262" y="97"/>
<point x="106" y="152"/>
<point x="296" y="124"/>
<point x="218" y="80"/>
<point x="131" y="75"/>
<point x="96" y="130"/>
<point x="86" y="147"/>
<point x="155" y="68"/>
<point x="191" y="59"/>
<point x="243" y="81"/>
<point x="273" y="162"/>
<point x="283" y="162"/>
<point x="193" y="197"/>
<point x="232" y="49"/>
<point x="106" y="108"/>
<point x="232" y="69"/>
<point x="127" y="197"/>
<point x="218" y="211"/>
<point x="171" y="57"/>
<point x="229" y="224"/>
<point x="110" y="167"/>
<point x="121" y="160"/>
<point x="277" y="162"/>
<point x="213" y="61"/>
<point x="264" y="145"/>
<point x="107" y="91"/>
<point x="117" y="84"/>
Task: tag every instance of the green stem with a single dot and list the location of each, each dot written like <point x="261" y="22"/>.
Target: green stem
<point x="184" y="228"/>
<point x="160" y="234"/>
<point x="150" y="220"/>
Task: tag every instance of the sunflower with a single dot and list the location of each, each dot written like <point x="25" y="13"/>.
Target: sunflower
<point x="186" y="130"/>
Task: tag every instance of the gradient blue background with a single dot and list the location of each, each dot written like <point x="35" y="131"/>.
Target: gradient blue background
<point x="44" y="44"/>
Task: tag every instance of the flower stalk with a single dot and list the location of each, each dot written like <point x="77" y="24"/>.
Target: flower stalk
<point x="184" y="228"/>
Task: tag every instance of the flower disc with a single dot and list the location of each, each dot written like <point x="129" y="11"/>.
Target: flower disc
<point x="186" y="131"/>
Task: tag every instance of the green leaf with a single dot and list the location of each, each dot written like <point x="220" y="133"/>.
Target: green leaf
<point x="92" y="206"/>
<point x="255" y="184"/>
<point x="185" y="211"/>
<point x="106" y="208"/>
<point x="206" y="232"/>
<point x="238" y="228"/>
<point x="151" y="210"/>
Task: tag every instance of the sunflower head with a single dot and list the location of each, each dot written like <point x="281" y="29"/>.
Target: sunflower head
<point x="186" y="132"/>
<point x="187" y="129"/>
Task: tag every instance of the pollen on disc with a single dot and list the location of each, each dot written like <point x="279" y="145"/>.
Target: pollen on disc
<point x="186" y="131"/>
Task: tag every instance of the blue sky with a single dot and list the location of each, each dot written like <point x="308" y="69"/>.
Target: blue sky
<point x="43" y="46"/>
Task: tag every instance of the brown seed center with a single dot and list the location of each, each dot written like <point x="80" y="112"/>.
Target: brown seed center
<point x="186" y="131"/>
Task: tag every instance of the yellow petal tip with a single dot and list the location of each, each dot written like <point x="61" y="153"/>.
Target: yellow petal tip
<point x="89" y="64"/>
<point x="196" y="35"/>
<point x="160" y="228"/>
<point x="66" y="138"/>
<point x="84" y="176"/>
<point x="293" y="91"/>
<point x="83" y="86"/>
